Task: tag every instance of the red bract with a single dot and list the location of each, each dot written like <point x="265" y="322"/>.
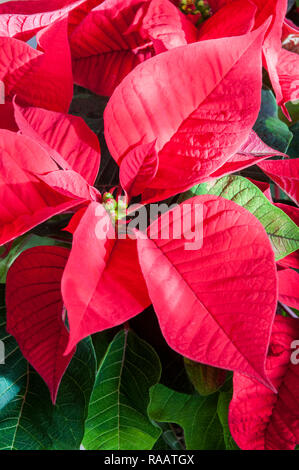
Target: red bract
<point x="285" y="173"/>
<point x="258" y="418"/>
<point x="35" y="311"/>
<point x="288" y="281"/>
<point x="34" y="188"/>
<point x="206" y="299"/>
<point x="278" y="63"/>
<point x="248" y="15"/>
<point x="104" y="291"/>
<point x="22" y="20"/>
<point x="66" y="138"/>
<point x="25" y="200"/>
<point x="39" y="78"/>
<point x="291" y="260"/>
<point x="195" y="132"/>
<point x="107" y="45"/>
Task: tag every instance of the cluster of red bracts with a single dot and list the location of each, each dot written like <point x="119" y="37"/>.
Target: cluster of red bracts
<point x="183" y="100"/>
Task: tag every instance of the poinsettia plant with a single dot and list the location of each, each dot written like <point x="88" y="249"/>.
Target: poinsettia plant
<point x="149" y="239"/>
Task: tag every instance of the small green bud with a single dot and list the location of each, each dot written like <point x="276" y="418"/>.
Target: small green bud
<point x="107" y="196"/>
<point x="110" y="205"/>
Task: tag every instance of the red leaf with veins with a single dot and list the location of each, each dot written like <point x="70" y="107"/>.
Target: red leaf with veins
<point x="167" y="26"/>
<point x="138" y="168"/>
<point x="39" y="78"/>
<point x="288" y="73"/>
<point x="221" y="24"/>
<point x="104" y="50"/>
<point x="292" y="260"/>
<point x="67" y="139"/>
<point x="35" y="311"/>
<point x="199" y="130"/>
<point x="288" y="287"/>
<point x="215" y="304"/>
<point x="25" y="201"/>
<point x="250" y="153"/>
<point x="70" y="184"/>
<point x="102" y="284"/>
<point x="285" y="173"/>
<point x="258" y="418"/>
<point x="22" y="20"/>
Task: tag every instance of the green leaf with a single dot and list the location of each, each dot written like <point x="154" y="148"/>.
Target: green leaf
<point x="28" y="420"/>
<point x="197" y="415"/>
<point x="293" y="150"/>
<point x="101" y="343"/>
<point x="293" y="110"/>
<point x="269" y="127"/>
<point x="117" y="416"/>
<point x="222" y="409"/>
<point x="168" y="439"/>
<point x="282" y="231"/>
<point x="206" y="379"/>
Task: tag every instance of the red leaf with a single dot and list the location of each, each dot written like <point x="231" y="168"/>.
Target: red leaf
<point x="35" y="311"/>
<point x="250" y="153"/>
<point x="167" y="26"/>
<point x="288" y="73"/>
<point x="68" y="140"/>
<point x="292" y="260"/>
<point x="7" y="119"/>
<point x="276" y="9"/>
<point x="104" y="50"/>
<point x="288" y="283"/>
<point x="196" y="130"/>
<point x="22" y="20"/>
<point x="102" y="285"/>
<point x="258" y="418"/>
<point x="70" y="184"/>
<point x="215" y="303"/>
<point x="285" y="173"/>
<point x="234" y="19"/>
<point x="138" y="169"/>
<point x="24" y="200"/>
<point x="39" y="78"/>
<point x="264" y="187"/>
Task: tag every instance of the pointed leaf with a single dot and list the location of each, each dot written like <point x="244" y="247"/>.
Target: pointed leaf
<point x="206" y="295"/>
<point x="197" y="415"/>
<point x="292" y="260"/>
<point x="288" y="72"/>
<point x="167" y="26"/>
<point x="28" y="420"/>
<point x="285" y="173"/>
<point x="250" y="153"/>
<point x="276" y="424"/>
<point x="39" y="78"/>
<point x="288" y="282"/>
<point x="15" y="248"/>
<point x="117" y="414"/>
<point x="282" y="231"/>
<point x="104" y="50"/>
<point x="35" y="311"/>
<point x="63" y="134"/>
<point x="25" y="201"/>
<point x="23" y="19"/>
<point x="138" y="168"/>
<point x="270" y="129"/>
<point x="102" y="284"/>
<point x="220" y="24"/>
<point x="194" y="137"/>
